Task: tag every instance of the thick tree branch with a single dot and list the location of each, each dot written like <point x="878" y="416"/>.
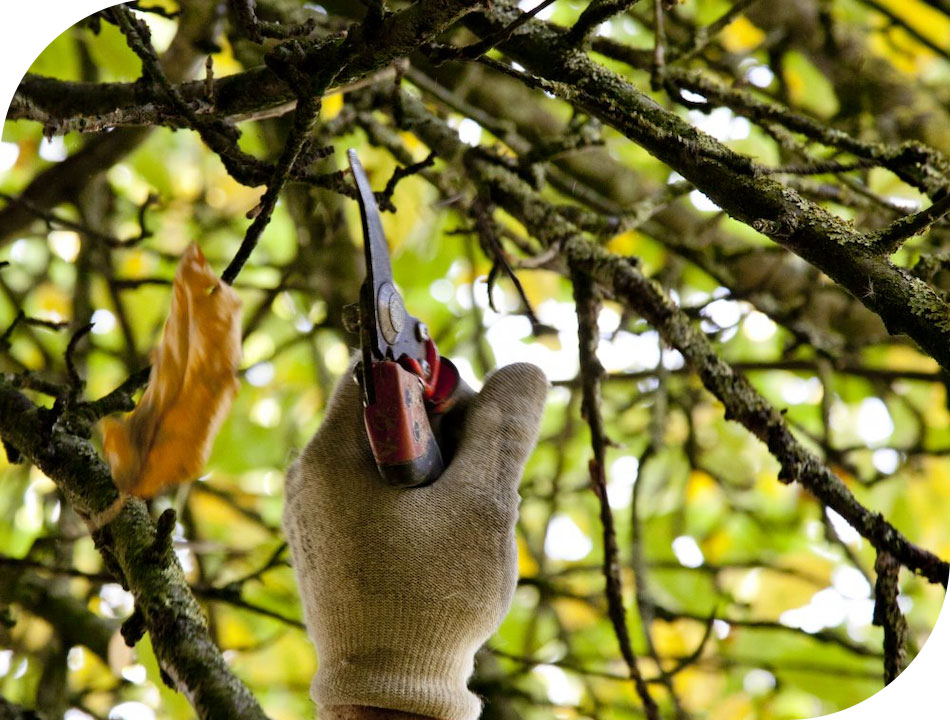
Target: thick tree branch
<point x="626" y="283"/>
<point x="197" y="27"/>
<point x="131" y="544"/>
<point x="905" y="303"/>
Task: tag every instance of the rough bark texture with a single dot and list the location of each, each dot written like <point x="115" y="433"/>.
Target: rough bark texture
<point x="136" y="549"/>
<point x="832" y="285"/>
<point x="141" y="558"/>
<point x="736" y="184"/>
<point x="624" y="281"/>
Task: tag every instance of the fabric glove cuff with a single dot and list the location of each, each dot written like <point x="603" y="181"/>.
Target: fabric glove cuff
<point x="407" y="658"/>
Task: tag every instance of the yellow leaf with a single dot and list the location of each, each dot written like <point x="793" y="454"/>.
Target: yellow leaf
<point x="928" y="497"/>
<point x="734" y="707"/>
<point x="626" y="243"/>
<point x="741" y="35"/>
<point x="717" y="545"/>
<point x="701" y="487"/>
<point x="224" y="61"/>
<point x="136" y="264"/>
<point x="678" y="637"/>
<point x="527" y="565"/>
<point x="887" y="43"/>
<point x="677" y="429"/>
<point x="768" y="484"/>
<point x="411" y="142"/>
<point x="332" y="104"/>
<point x="698" y="689"/>
<point x="52" y="302"/>
<point x="539" y="285"/>
<point x="575" y="614"/>
<point x="234" y="631"/>
<point x="167" y="438"/>
<point x="796" y="85"/>
<point x="898" y="46"/>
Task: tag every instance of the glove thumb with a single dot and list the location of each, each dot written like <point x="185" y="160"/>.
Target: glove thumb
<point x="501" y="427"/>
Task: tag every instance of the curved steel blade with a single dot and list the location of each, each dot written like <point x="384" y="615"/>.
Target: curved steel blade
<point x="387" y="331"/>
<point x="378" y="269"/>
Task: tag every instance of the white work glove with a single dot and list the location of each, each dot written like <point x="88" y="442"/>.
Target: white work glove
<point x="400" y="587"/>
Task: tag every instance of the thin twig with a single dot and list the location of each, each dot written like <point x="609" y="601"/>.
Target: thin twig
<point x="74" y="378"/>
<point x="594" y="14"/>
<point x="23" y="319"/>
<point x="273" y="560"/>
<point x="233" y="597"/>
<point x="821" y="167"/>
<point x="120" y="399"/>
<point x="257" y="30"/>
<point x="890" y="239"/>
<point x="485" y="227"/>
<point x="385" y="198"/>
<point x="704" y="35"/>
<point x="588" y="305"/>
<point x="645" y="604"/>
<point x="209" y="79"/>
<point x="53" y="220"/>
<point x="476" y="50"/>
<point x="305" y="116"/>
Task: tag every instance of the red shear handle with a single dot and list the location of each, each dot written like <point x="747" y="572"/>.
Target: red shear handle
<point x="405" y="449"/>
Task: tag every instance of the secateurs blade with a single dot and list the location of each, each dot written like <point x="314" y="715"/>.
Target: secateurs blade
<point x="413" y="398"/>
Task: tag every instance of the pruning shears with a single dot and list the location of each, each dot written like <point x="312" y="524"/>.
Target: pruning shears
<point x="413" y="399"/>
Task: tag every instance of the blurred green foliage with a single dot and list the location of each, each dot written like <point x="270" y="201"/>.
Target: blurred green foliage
<point x="759" y="599"/>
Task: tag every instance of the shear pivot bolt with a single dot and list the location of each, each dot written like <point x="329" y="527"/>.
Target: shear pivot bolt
<point x="391" y="313"/>
<point x="422" y="332"/>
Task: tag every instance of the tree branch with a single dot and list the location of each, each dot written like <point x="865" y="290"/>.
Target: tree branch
<point x="305" y="116"/>
<point x="130" y="544"/>
<point x="626" y="283"/>
<point x="888" y="615"/>
<point x="588" y="307"/>
<point x="197" y="26"/>
<point x="906" y="304"/>
<point x="889" y="240"/>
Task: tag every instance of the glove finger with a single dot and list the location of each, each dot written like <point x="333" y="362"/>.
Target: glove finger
<point x="345" y="407"/>
<point x="501" y="428"/>
<point x="340" y="442"/>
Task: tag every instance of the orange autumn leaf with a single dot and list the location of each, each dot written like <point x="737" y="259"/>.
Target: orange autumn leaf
<point x="166" y="440"/>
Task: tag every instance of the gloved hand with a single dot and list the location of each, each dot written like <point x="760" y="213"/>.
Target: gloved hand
<point x="401" y="586"/>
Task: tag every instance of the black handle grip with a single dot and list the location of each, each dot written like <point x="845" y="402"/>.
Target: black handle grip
<point x="448" y="418"/>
